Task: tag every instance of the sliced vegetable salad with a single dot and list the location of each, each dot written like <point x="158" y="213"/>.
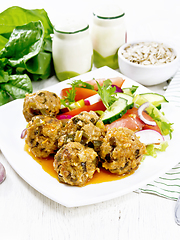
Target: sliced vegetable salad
<point x="120" y="107"/>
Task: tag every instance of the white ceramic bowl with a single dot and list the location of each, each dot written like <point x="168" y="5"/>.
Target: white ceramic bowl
<point x="148" y="75"/>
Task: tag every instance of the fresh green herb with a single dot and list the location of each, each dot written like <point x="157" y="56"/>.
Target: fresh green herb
<point x="69" y="98"/>
<point x="166" y="127"/>
<point x="133" y="89"/>
<point x="81" y="84"/>
<point x="71" y="93"/>
<point x="107" y="93"/>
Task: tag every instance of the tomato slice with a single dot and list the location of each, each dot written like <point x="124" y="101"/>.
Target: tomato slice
<point x="132" y="121"/>
<point x="99" y="106"/>
<point x="81" y="93"/>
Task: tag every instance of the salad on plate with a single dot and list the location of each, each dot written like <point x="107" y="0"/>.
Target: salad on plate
<point x="93" y="126"/>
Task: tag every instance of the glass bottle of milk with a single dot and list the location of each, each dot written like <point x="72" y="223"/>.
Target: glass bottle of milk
<point x="72" y="48"/>
<point x="108" y="33"/>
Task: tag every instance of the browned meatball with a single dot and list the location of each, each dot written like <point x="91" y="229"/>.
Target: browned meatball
<point x="42" y="135"/>
<point x="85" y="128"/>
<point x="41" y="103"/>
<point x="121" y="151"/>
<point x="75" y="163"/>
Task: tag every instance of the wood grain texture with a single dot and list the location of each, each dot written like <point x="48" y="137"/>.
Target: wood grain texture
<point x="25" y="214"/>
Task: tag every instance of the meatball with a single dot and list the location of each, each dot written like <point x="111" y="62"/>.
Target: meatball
<point x="121" y="151"/>
<point x="41" y="103"/>
<point x="42" y="135"/>
<point x="75" y="163"/>
<point x="85" y="128"/>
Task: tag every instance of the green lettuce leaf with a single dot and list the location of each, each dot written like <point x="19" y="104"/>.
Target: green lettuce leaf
<point x="153" y="148"/>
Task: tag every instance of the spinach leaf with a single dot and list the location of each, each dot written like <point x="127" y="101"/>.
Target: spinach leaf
<point x="28" y="52"/>
<point x="15" y="24"/>
<point x="24" y="43"/>
<point x="3" y="62"/>
<point x="17" y="16"/>
<point x="39" y="63"/>
<point x="17" y="86"/>
<point x="47" y="45"/>
<point x="4" y="97"/>
<point x="3" y="41"/>
<point x="25" y="51"/>
<point x="4" y="77"/>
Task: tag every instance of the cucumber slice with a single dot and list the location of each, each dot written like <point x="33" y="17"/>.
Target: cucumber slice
<point x="157" y="115"/>
<point x="129" y="99"/>
<point x="154" y="98"/>
<point x="130" y="90"/>
<point x="117" y="110"/>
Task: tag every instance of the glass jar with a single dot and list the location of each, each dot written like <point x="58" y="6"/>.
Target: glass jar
<point x="108" y="33"/>
<point x="72" y="49"/>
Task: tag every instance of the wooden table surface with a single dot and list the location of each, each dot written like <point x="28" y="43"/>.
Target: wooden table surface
<point x="26" y="214"/>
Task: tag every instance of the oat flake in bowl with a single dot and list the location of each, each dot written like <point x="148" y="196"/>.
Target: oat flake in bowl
<point x="148" y="63"/>
<point x="149" y="53"/>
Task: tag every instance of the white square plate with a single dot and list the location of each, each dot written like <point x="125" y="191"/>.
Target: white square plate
<point x="12" y="123"/>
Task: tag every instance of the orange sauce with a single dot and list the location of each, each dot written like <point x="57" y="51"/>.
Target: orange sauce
<point x="46" y="163"/>
<point x="99" y="177"/>
<point x="106" y="176"/>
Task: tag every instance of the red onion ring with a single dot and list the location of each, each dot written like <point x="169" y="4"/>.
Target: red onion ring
<point x="118" y="89"/>
<point x="149" y="136"/>
<point x="2" y="173"/>
<point x="62" y="117"/>
<point x="86" y="102"/>
<point x="23" y="134"/>
<point x="140" y="111"/>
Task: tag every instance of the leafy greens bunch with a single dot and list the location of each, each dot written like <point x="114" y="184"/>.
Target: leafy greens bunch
<point x="25" y="51"/>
